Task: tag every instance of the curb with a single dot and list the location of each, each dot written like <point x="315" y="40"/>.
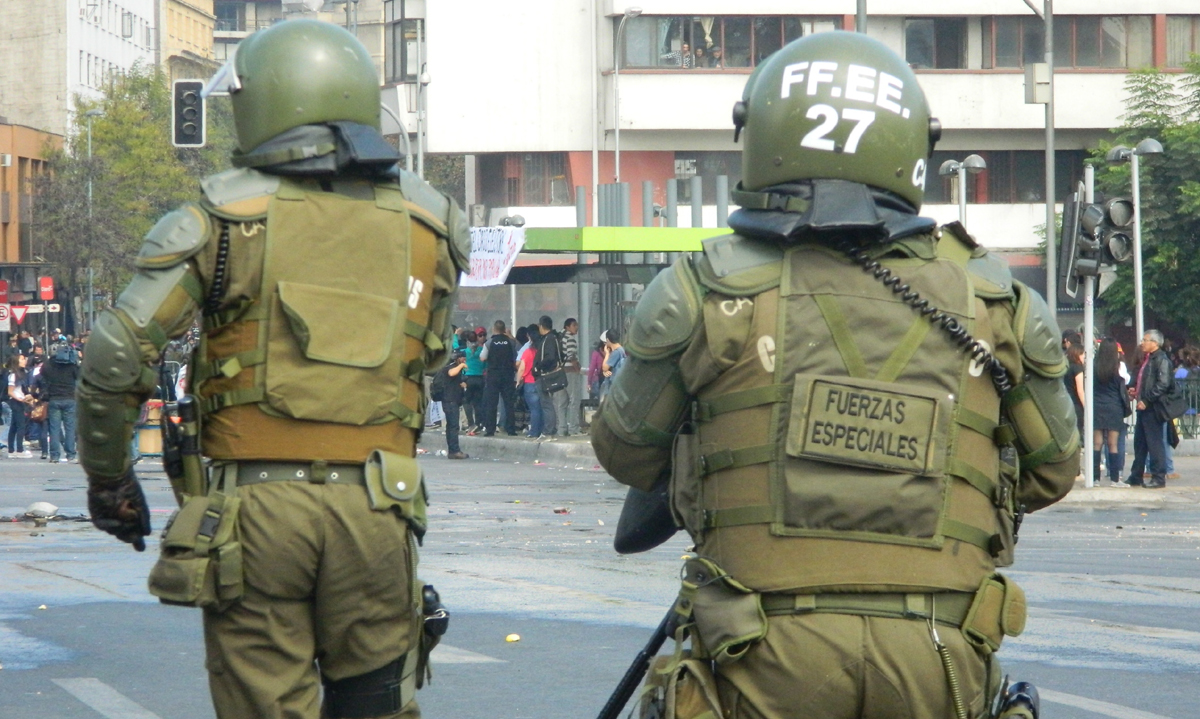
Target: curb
<point x="1132" y="496"/>
<point x="560" y="453"/>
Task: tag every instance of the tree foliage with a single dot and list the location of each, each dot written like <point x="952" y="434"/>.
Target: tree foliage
<point x="136" y="175"/>
<point x="1167" y="109"/>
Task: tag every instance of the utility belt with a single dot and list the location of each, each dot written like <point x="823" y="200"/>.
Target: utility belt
<point x="248" y="473"/>
<point x="729" y="617"/>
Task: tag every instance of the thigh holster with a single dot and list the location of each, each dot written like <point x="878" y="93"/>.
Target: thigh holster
<point x="381" y="692"/>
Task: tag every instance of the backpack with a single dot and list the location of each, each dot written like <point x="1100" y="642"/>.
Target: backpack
<point x="66" y="355"/>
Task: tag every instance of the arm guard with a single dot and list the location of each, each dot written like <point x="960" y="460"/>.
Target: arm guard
<point x="646" y="406"/>
<point x="1039" y="408"/>
<point x="116" y="377"/>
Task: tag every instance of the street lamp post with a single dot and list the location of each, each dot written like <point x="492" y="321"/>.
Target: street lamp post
<point x="91" y="310"/>
<point x="971" y="164"/>
<point x="1120" y="154"/>
<point x="629" y="12"/>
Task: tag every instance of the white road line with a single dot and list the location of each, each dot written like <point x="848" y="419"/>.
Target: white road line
<point x="104" y="699"/>
<point x="1109" y="710"/>
<point x="446" y="654"/>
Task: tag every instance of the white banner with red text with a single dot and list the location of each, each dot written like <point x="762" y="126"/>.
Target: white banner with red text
<point x="494" y="251"/>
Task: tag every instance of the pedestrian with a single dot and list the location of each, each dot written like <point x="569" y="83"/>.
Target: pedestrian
<point x="19" y="400"/>
<point x="614" y="359"/>
<point x="473" y="398"/>
<point x="454" y="386"/>
<point x="832" y="438"/>
<point x="59" y="377"/>
<point x="500" y="358"/>
<point x="36" y="429"/>
<point x="570" y="348"/>
<point x="595" y="376"/>
<point x="1110" y="405"/>
<point x="325" y="276"/>
<point x="1073" y="382"/>
<point x="1154" y="379"/>
<point x="548" y="360"/>
<point x="529" y="390"/>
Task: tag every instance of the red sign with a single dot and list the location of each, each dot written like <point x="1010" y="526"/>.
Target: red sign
<point x="18" y="312"/>
<point x="3" y="292"/>
<point x="45" y="288"/>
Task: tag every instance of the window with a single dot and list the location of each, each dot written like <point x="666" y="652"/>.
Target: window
<point x="710" y="42"/>
<point x="1183" y="38"/>
<point x="1013" y="41"/>
<point x="708" y="165"/>
<point x="937" y="43"/>
<point x="1012" y="177"/>
<point x="525" y="179"/>
<point x="231" y="16"/>
<point x="1111" y="41"/>
<point x="400" y="51"/>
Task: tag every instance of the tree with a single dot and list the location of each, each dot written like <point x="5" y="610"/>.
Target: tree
<point x="1169" y="111"/>
<point x="137" y="176"/>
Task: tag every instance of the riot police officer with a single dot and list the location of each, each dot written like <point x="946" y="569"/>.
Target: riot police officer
<point x="324" y="277"/>
<point x="849" y="409"/>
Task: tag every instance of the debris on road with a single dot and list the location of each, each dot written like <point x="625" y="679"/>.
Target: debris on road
<point x="41" y="509"/>
<point x="511" y="638"/>
<point x="561" y="510"/>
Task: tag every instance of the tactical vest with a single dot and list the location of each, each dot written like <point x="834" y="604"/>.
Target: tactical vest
<point x="318" y="351"/>
<point x="881" y="467"/>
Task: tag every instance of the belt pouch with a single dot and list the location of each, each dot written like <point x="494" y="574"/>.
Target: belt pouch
<point x="685" y="483"/>
<point x="998" y="611"/>
<point x="396" y="482"/>
<point x="729" y="617"/>
<point x="200" y="560"/>
<point x="679" y="687"/>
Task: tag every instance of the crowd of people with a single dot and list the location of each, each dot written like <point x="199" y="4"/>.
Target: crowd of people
<point x="530" y="383"/>
<point x="1122" y="398"/>
<point x="39" y="407"/>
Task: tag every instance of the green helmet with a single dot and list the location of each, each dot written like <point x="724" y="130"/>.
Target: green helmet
<point x="836" y="105"/>
<point x="298" y="72"/>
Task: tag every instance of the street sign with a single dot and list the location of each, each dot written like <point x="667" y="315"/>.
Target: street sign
<point x="33" y="309"/>
<point x="4" y="292"/>
<point x="53" y="307"/>
<point x="45" y="288"/>
<point x="18" y="313"/>
<point x="5" y="318"/>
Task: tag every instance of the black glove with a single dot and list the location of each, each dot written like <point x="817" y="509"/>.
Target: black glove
<point x="119" y="508"/>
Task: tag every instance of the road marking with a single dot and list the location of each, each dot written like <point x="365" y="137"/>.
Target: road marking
<point x="446" y="654"/>
<point x="104" y="699"/>
<point x="1109" y="710"/>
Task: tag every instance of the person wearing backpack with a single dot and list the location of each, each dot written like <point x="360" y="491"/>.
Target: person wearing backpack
<point x="58" y="378"/>
<point x="448" y="387"/>
<point x="549" y="358"/>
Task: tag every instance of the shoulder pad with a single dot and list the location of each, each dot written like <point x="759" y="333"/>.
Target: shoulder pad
<point x="1037" y="334"/>
<point x="460" y="238"/>
<point x="991" y="277"/>
<point x="225" y="188"/>
<point x="667" y="314"/>
<point x="739" y="266"/>
<point x="174" y="238"/>
<point x="424" y="196"/>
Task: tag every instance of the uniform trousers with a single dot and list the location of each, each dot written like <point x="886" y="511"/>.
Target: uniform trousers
<point x="329" y="592"/>
<point x="841" y="666"/>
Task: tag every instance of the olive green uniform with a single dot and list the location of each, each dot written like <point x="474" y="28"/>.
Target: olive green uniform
<point x="838" y="462"/>
<point x="324" y="284"/>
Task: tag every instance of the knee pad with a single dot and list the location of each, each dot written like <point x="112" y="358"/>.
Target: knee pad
<point x="376" y="693"/>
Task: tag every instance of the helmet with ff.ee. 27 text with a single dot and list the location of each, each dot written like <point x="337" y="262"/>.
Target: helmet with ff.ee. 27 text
<point x="836" y="105"/>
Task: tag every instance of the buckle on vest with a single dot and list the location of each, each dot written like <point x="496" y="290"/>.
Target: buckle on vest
<point x="777" y="202"/>
<point x="319" y="473"/>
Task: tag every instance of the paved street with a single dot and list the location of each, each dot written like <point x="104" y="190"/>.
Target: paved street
<point x="1114" y="590"/>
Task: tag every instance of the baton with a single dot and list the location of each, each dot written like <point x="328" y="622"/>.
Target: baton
<point x="633" y="675"/>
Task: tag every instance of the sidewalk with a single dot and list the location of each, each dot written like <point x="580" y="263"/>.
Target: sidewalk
<point x="576" y="452"/>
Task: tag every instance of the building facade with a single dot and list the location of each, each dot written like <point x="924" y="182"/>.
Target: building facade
<point x="185" y="38"/>
<point x="23" y="153"/>
<point x="57" y="50"/>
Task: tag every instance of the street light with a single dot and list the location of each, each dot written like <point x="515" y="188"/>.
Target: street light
<point x="629" y="12"/>
<point x="973" y="164"/>
<point x="90" y="114"/>
<point x="1117" y="155"/>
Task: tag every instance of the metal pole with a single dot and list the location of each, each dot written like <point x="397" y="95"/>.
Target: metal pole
<point x="595" y="121"/>
<point x="91" y="298"/>
<point x="89" y="119"/>
<point x="512" y="303"/>
<point x="647" y="203"/>
<point x="1139" y="308"/>
<point x="1051" y="239"/>
<point x="582" y="291"/>
<point x="580" y="206"/>
<point x="962" y="194"/>
<point x="672" y="203"/>
<point x="617" y="101"/>
<point x="402" y="132"/>
<point x="623" y="198"/>
<point x="421" y="99"/>
<point x="697" y="201"/>
<point x="860" y="19"/>
<point x="722" y="200"/>
<point x="1089" y="344"/>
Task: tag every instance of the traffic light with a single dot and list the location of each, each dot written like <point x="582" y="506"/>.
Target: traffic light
<point x="1095" y="238"/>
<point x="187" y="112"/>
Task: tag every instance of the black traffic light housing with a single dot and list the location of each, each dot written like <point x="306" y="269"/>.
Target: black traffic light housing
<point x="1095" y="238"/>
<point x="187" y="113"/>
